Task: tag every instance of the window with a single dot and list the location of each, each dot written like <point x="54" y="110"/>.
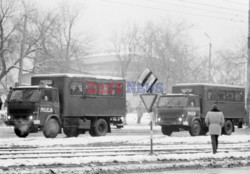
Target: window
<point x="25" y="95"/>
<point x="239" y="96"/>
<point x="191" y="102"/>
<point x="76" y="88"/>
<point x="222" y="95"/>
<point x="47" y="96"/>
<point x="172" y="101"/>
<point x="230" y="96"/>
<point x="211" y="95"/>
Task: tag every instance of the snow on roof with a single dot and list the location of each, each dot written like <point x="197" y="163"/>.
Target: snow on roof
<point x="175" y="94"/>
<point x="208" y="84"/>
<point x="32" y="87"/>
<point x="78" y="75"/>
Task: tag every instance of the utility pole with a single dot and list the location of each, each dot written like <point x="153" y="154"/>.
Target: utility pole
<point x="209" y="57"/>
<point x="22" y="50"/>
<point x="248" y="67"/>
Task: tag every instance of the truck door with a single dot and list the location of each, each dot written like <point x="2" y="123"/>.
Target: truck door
<point x="49" y="103"/>
<point x="193" y="106"/>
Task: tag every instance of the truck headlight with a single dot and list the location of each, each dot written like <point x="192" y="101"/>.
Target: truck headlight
<point x="31" y="117"/>
<point x="158" y="119"/>
<point x="180" y="119"/>
<point x="8" y="117"/>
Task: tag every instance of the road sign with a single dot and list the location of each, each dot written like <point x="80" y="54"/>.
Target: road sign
<point x="147" y="76"/>
<point x="148" y="100"/>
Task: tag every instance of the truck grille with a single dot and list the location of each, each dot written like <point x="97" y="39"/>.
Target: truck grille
<point x="20" y="111"/>
<point x="169" y="119"/>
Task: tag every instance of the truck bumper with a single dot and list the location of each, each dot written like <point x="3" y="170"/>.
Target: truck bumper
<point x="9" y="122"/>
<point x="174" y="125"/>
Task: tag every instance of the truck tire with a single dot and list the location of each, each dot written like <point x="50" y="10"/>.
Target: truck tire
<point x="166" y="130"/>
<point x="204" y="131"/>
<point x="100" y="128"/>
<point x="51" y="128"/>
<point x="92" y="133"/>
<point x="119" y="126"/>
<point x="195" y="129"/>
<point x="228" y="128"/>
<point x="240" y="124"/>
<point x="20" y="133"/>
<point x="71" y="131"/>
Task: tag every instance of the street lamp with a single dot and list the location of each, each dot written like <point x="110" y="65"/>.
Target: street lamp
<point x="209" y="57"/>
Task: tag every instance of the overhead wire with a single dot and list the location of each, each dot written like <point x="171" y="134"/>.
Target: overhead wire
<point x="234" y="2"/>
<point x="214" y="6"/>
<point x="171" y="10"/>
<point x="191" y="7"/>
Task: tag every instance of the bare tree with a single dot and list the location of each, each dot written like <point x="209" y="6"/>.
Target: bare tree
<point x="61" y="46"/>
<point x="165" y="50"/>
<point x="125" y="44"/>
<point x="7" y="37"/>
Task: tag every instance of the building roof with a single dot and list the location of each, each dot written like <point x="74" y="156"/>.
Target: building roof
<point x="100" y="58"/>
<point x="78" y="75"/>
<point x="208" y="84"/>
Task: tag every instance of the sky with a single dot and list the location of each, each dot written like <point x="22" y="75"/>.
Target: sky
<point x="223" y="21"/>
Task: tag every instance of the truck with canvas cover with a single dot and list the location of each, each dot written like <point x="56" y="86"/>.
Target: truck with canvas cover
<point x="72" y="103"/>
<point x="186" y="107"/>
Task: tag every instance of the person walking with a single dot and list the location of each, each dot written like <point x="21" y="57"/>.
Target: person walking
<point x="215" y="121"/>
<point x="1" y="103"/>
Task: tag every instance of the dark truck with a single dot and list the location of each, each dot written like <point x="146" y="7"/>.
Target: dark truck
<point x="186" y="107"/>
<point x="73" y="103"/>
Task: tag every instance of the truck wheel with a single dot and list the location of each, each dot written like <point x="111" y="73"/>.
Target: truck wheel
<point x="92" y="132"/>
<point x="240" y="124"/>
<point x="228" y="128"/>
<point x="166" y="130"/>
<point x="195" y="128"/>
<point x="119" y="126"/>
<point x="204" y="131"/>
<point x="21" y="133"/>
<point x="51" y="128"/>
<point x="100" y="128"/>
<point x="71" y="131"/>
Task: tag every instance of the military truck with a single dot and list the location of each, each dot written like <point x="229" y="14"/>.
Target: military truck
<point x="72" y="103"/>
<point x="186" y="107"/>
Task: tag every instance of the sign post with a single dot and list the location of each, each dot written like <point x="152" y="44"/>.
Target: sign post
<point x="148" y="79"/>
<point x="148" y="101"/>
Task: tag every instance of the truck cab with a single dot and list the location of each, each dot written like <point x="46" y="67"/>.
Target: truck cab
<point x="33" y="108"/>
<point x="177" y="112"/>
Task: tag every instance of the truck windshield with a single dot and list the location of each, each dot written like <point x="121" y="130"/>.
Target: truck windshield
<point x="172" y="101"/>
<point x="20" y="95"/>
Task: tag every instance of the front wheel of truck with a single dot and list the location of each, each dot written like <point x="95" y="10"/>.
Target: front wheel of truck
<point x="20" y="132"/>
<point x="195" y="129"/>
<point x="166" y="130"/>
<point x="51" y="128"/>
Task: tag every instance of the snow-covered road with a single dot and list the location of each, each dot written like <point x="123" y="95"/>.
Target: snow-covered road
<point x="117" y="153"/>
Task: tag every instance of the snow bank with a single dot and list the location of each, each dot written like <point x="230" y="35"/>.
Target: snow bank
<point x="190" y="158"/>
<point x="132" y="139"/>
